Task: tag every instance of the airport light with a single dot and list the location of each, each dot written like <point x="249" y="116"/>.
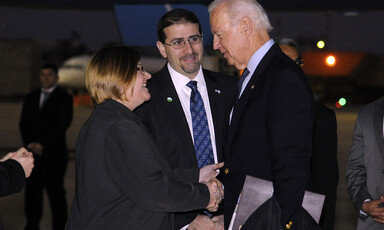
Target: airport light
<point x="342" y="101"/>
<point x="337" y="104"/>
<point x="320" y="44"/>
<point x="330" y="60"/>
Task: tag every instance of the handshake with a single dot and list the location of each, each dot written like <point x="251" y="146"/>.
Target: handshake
<point x="24" y="157"/>
<point x="216" y="190"/>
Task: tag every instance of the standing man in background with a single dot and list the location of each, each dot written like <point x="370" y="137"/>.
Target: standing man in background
<point x="181" y="84"/>
<point x="364" y="171"/>
<point x="45" y="117"/>
<point x="270" y="133"/>
<point x="324" y="175"/>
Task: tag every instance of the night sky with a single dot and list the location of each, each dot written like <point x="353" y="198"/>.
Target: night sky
<point x="361" y="33"/>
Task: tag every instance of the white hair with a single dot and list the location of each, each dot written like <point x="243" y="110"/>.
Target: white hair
<point x="237" y="9"/>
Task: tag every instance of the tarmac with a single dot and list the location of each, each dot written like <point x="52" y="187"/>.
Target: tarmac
<point x="12" y="207"/>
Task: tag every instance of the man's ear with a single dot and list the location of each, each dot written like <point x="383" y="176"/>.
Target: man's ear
<point x="246" y="26"/>
<point x="161" y="48"/>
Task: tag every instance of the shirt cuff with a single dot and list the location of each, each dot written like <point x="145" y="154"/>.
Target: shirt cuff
<point x="362" y="213"/>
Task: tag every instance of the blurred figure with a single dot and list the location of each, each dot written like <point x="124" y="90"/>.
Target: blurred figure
<point x="46" y="115"/>
<point x="14" y="168"/>
<point x="324" y="175"/>
<point x="364" y="171"/>
<point x="290" y="48"/>
<point x="270" y="132"/>
<point x="122" y="180"/>
<point x="169" y="112"/>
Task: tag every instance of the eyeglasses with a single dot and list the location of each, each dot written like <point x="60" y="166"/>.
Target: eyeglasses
<point x="140" y="68"/>
<point x="299" y="61"/>
<point x="180" y="43"/>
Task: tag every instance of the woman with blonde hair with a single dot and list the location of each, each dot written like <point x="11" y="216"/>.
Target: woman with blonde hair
<point x="122" y="180"/>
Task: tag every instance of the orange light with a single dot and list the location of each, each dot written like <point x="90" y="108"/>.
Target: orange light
<point x="330" y="61"/>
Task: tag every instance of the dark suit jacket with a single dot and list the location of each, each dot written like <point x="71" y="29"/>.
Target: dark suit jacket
<point x="167" y="123"/>
<point x="324" y="170"/>
<point x="267" y="217"/>
<point x="47" y="126"/>
<point x="270" y="135"/>
<point x="122" y="180"/>
<point x="12" y="179"/>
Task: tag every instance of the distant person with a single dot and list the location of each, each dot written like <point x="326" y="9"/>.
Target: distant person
<point x="324" y="175"/>
<point x="270" y="132"/>
<point x="123" y="181"/>
<point x="46" y="115"/>
<point x="364" y="171"/>
<point x="169" y="112"/>
<point x="14" y="168"/>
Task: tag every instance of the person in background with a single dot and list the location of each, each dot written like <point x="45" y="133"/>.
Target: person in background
<point x="364" y="171"/>
<point x="324" y="175"/>
<point x="271" y="124"/>
<point x="123" y="181"/>
<point x="46" y="115"/>
<point x="14" y="168"/>
<point x="169" y="114"/>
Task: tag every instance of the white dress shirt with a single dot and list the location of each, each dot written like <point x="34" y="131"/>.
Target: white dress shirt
<point x="184" y="93"/>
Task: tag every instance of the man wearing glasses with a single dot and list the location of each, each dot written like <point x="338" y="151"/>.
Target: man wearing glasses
<point x="188" y="106"/>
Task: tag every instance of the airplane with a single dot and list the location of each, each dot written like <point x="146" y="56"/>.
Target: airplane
<point x="73" y="71"/>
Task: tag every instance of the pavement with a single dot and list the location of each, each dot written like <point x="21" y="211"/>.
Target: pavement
<point x="12" y="207"/>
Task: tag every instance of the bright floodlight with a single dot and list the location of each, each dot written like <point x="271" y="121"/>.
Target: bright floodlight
<point x="330" y="60"/>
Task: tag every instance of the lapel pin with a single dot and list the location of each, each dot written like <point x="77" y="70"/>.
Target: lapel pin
<point x="169" y="99"/>
<point x="217" y="91"/>
<point x="252" y="86"/>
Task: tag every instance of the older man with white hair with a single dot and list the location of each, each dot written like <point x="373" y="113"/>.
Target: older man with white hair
<point x="270" y="132"/>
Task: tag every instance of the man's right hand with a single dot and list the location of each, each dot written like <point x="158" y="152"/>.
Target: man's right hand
<point x="216" y="193"/>
<point x="209" y="171"/>
<point x="372" y="209"/>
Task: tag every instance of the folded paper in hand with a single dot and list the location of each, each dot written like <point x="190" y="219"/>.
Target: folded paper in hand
<point x="256" y="191"/>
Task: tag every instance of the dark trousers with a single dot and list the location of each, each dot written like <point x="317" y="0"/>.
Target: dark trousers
<point x="52" y="179"/>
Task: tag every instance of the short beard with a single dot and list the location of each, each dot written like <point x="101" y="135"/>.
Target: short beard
<point x="194" y="69"/>
<point x="191" y="70"/>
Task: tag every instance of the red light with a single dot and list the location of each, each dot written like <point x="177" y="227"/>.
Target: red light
<point x="337" y="104"/>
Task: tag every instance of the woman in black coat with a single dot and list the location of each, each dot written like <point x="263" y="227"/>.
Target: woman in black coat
<point x="122" y="180"/>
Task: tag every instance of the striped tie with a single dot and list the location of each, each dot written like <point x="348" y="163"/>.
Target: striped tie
<point x="245" y="74"/>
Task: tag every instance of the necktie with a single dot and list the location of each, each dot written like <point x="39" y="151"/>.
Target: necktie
<point x="45" y="97"/>
<point x="201" y="135"/>
<point x="245" y="73"/>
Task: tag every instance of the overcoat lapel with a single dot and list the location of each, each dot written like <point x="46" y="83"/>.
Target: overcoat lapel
<point x="252" y="85"/>
<point x="217" y="110"/>
<point x="173" y="109"/>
